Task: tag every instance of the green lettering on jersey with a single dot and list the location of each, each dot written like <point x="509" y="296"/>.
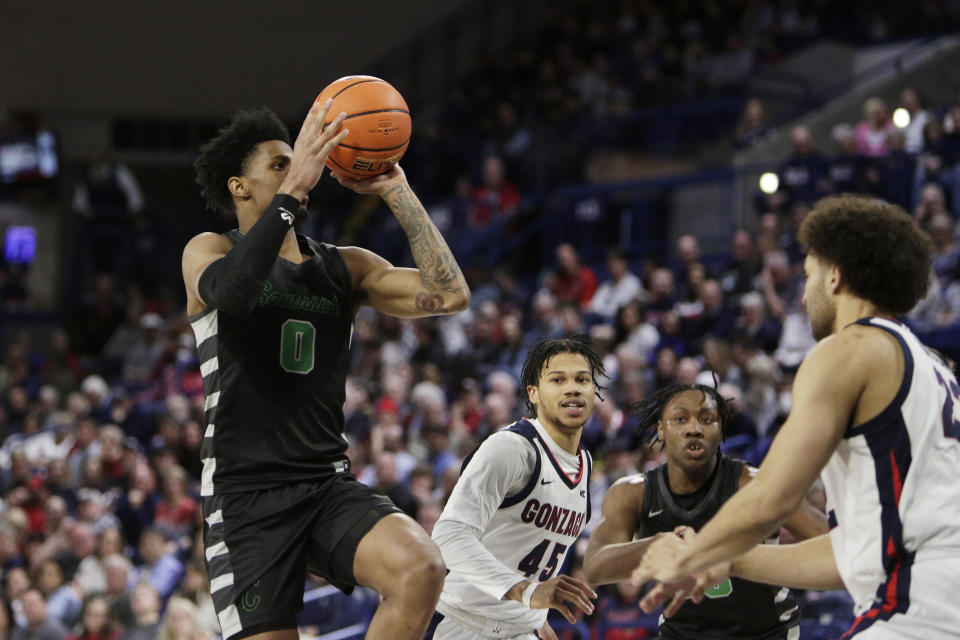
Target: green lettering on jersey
<point x="300" y="299"/>
<point x="297" y="346"/>
<point x="722" y="590"/>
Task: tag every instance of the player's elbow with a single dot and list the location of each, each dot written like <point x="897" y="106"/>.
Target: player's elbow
<point x="458" y="302"/>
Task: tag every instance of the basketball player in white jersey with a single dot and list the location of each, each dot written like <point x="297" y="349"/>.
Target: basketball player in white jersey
<point x="879" y="415"/>
<point x="522" y="499"/>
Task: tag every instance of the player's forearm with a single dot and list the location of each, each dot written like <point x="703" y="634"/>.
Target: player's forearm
<point x="440" y="274"/>
<point x="614" y="562"/>
<point x="234" y="282"/>
<point x="464" y="554"/>
<point x="743" y="522"/>
<point x="805" y="565"/>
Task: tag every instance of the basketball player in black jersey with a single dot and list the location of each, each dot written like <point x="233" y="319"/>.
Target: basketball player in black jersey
<point x="685" y="492"/>
<point x="273" y="314"/>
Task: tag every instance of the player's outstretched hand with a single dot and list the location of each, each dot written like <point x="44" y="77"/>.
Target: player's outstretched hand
<point x="661" y="560"/>
<point x="555" y="593"/>
<point x="377" y="185"/>
<point x="311" y="148"/>
<point x="546" y="632"/>
<point x="673" y="595"/>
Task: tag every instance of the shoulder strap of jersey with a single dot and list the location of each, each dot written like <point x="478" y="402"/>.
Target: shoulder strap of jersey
<point x="589" y="478"/>
<point x="731" y="470"/>
<point x="233" y="235"/>
<point x="528" y="431"/>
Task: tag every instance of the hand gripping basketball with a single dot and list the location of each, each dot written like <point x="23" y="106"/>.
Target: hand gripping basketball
<point x="310" y="151"/>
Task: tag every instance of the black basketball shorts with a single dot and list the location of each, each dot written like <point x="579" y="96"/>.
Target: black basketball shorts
<point x="260" y="544"/>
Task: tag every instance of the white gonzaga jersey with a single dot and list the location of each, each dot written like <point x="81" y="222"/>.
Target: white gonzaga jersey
<point x="893" y="501"/>
<point x="529" y="532"/>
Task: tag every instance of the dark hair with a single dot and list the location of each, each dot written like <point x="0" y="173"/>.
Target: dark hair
<point x="650" y="410"/>
<point x="226" y="155"/>
<point x="883" y="255"/>
<point x="541" y="353"/>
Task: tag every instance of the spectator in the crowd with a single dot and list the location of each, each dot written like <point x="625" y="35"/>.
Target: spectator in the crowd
<point x="714" y="319"/>
<point x="804" y="175"/>
<point x="160" y="565"/>
<point x="427" y="515"/>
<point x="80" y="563"/>
<point x="845" y="167"/>
<point x="495" y="200"/>
<point x="662" y="295"/>
<point x="932" y="202"/>
<point x="96" y="623"/>
<point x="39" y="625"/>
<point x="98" y="315"/>
<point x="180" y="621"/>
<point x="63" y="602"/>
<point x="196" y="589"/>
<point x="741" y="423"/>
<point x="7" y="625"/>
<point x="755" y="324"/>
<point x="871" y="132"/>
<point x="753" y="124"/>
<point x="919" y="117"/>
<point x="946" y="251"/>
<point x="633" y="331"/>
<point x="119" y="572"/>
<point x="620" y="288"/>
<point x="618" y="614"/>
<point x="389" y="484"/>
<point x="571" y="281"/>
<point x="142" y="356"/>
<point x="176" y="513"/>
<point x="137" y="507"/>
<point x="686" y="258"/>
<point x="738" y="275"/>
<point x="437" y="438"/>
<point x="146" y="606"/>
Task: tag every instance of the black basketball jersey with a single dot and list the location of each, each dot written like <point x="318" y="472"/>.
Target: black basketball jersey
<point x="274" y="380"/>
<point x="736" y="608"/>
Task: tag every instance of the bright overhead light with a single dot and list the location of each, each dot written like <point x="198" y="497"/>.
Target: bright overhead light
<point x="769" y="183"/>
<point x="901" y="117"/>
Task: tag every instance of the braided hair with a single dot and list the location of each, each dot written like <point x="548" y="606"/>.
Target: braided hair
<point x="649" y="411"/>
<point x="541" y="353"/>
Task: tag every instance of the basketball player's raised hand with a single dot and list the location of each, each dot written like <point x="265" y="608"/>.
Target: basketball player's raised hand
<point x="311" y="148"/>
<point x="377" y="185"/>
<point x="555" y="593"/>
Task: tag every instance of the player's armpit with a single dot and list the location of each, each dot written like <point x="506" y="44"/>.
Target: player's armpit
<point x="398" y="291"/>
<point x="612" y="553"/>
<point x="200" y="252"/>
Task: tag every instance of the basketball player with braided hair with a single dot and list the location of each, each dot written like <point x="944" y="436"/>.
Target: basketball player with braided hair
<point x="689" y="422"/>
<point x="273" y="314"/>
<point x="522" y="499"/>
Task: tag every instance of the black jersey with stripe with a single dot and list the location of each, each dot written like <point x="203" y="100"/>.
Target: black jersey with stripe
<point x="735" y="609"/>
<point x="274" y="380"/>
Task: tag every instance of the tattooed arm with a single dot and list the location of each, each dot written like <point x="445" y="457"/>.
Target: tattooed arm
<point x="435" y="287"/>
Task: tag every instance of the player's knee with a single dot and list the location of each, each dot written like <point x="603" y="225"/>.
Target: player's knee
<point x="426" y="572"/>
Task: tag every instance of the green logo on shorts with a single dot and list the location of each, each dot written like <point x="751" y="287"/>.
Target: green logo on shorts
<point x="249" y="603"/>
<point x="721" y="590"/>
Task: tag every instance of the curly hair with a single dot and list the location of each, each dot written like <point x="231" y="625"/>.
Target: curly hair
<point x="883" y="255"/>
<point x="649" y="411"/>
<point x="541" y="353"/>
<point x="227" y="154"/>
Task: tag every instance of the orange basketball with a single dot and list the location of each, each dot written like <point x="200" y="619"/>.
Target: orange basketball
<point x="379" y="124"/>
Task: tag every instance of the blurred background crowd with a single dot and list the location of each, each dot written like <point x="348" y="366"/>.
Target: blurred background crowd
<point x="101" y="400"/>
